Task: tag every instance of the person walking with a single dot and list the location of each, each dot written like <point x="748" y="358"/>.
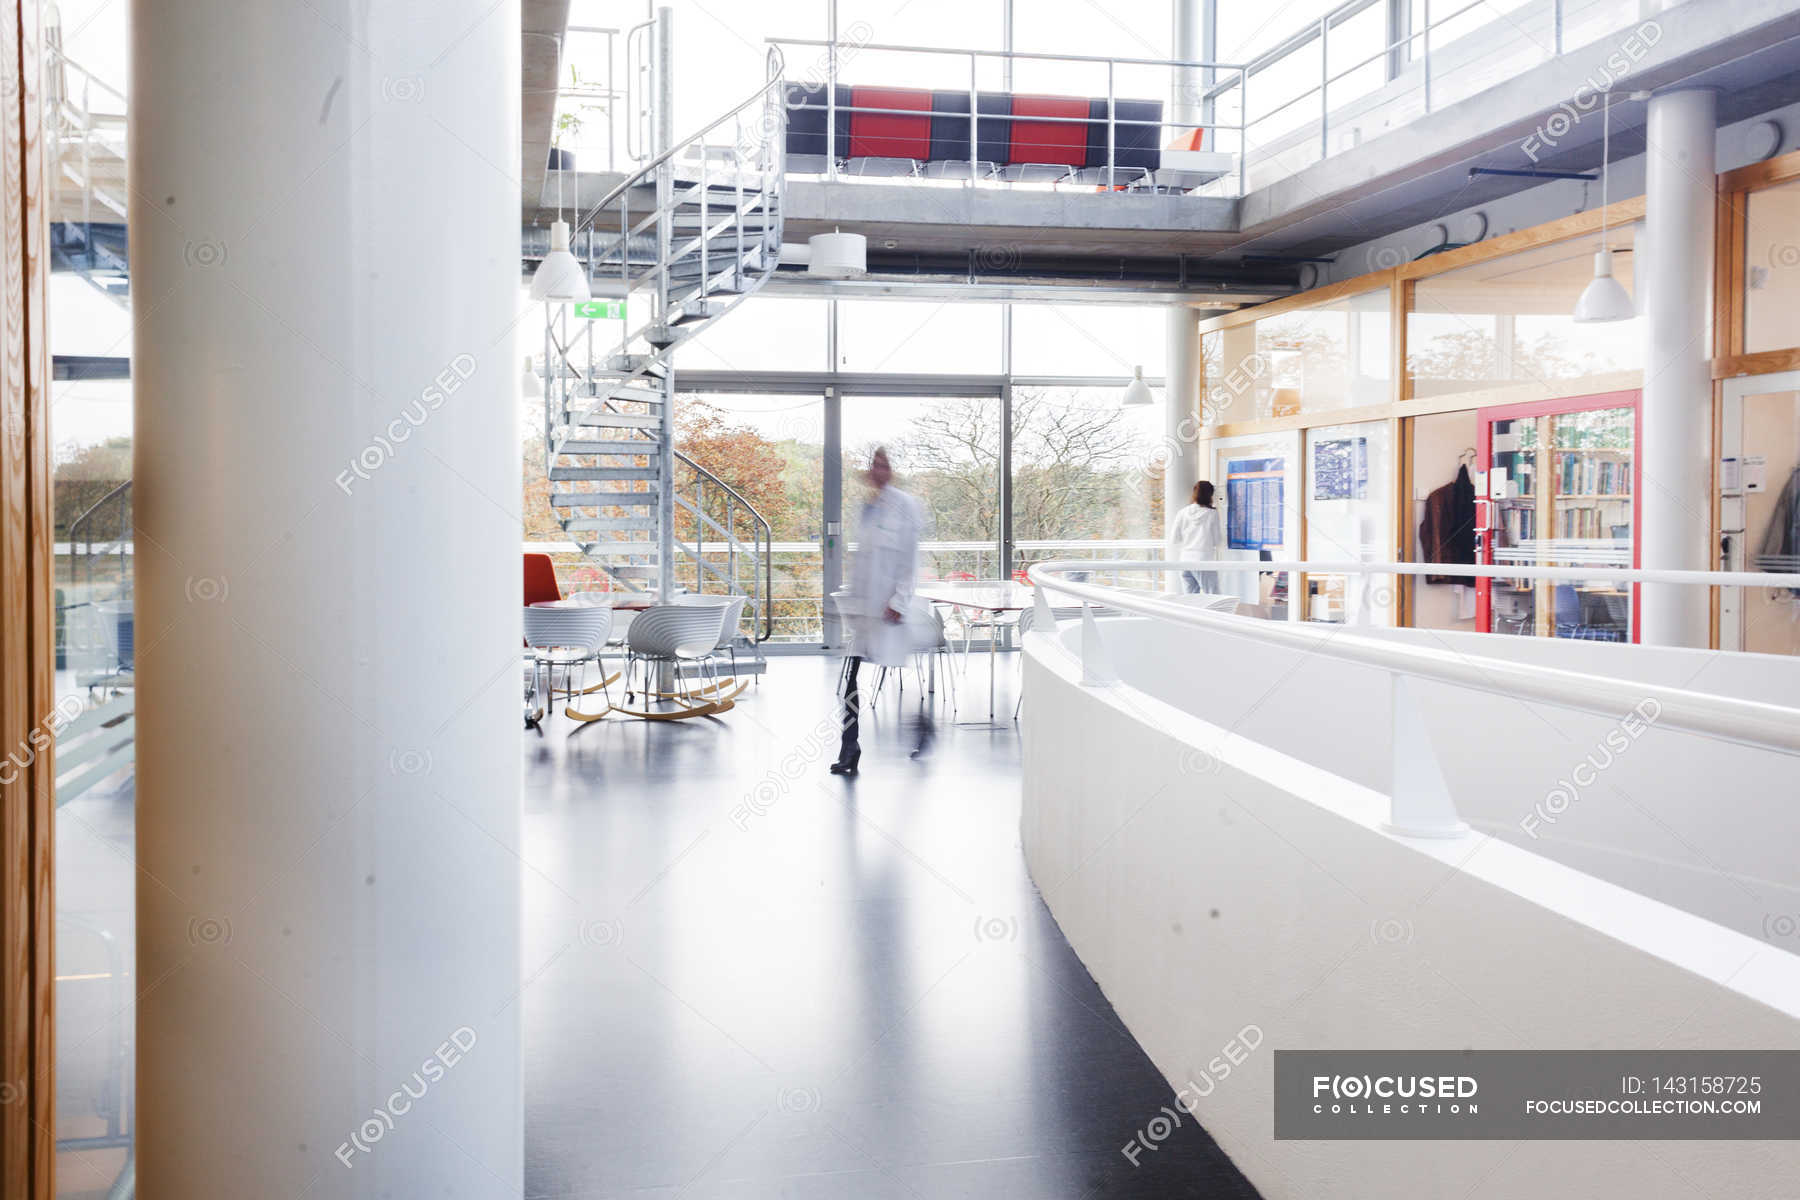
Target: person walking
<point x="1195" y="536"/>
<point x="879" y="604"/>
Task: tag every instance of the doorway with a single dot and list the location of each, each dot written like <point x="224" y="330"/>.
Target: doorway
<point x="1759" y="480"/>
<point x="1561" y="490"/>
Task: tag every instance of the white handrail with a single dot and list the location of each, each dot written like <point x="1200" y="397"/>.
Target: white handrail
<point x="1744" y="722"/>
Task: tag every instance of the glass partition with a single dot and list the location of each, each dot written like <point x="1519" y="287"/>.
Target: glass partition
<point x="918" y="336"/>
<point x="1503" y="331"/>
<point x="1335" y="355"/>
<point x="1772" y="268"/>
<point x="1256" y="480"/>
<point x="1349" y="515"/>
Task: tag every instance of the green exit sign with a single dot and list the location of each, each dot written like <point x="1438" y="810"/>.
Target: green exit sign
<point x="601" y="310"/>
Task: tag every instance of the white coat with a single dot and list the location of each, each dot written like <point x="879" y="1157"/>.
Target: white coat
<point x="882" y="577"/>
<point x="1196" y="534"/>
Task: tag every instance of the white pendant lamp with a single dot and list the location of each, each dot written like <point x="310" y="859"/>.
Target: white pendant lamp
<point x="1604" y="298"/>
<point x="532" y="387"/>
<point x="1137" y="392"/>
<point x="560" y="276"/>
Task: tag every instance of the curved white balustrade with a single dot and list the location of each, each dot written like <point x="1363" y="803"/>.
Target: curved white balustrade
<point x="1209" y="811"/>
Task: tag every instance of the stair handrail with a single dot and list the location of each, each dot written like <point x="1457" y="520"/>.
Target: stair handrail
<point x="637" y="178"/>
<point x="762" y="544"/>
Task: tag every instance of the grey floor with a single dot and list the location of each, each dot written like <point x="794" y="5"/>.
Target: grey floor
<point x="749" y="978"/>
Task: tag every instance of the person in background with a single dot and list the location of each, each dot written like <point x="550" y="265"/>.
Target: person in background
<point x="1195" y="536"/>
<point x="880" y="600"/>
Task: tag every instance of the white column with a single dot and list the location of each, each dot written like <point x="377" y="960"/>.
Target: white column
<point x="1182" y="407"/>
<point x="1182" y="336"/>
<point x="325" y="260"/>
<point x="1674" y="285"/>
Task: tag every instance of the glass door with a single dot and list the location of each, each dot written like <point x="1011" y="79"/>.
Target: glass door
<point x="1759" y="510"/>
<point x="1560" y="491"/>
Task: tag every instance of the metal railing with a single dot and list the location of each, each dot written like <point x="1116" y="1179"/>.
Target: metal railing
<point x="718" y="510"/>
<point x="1115" y="175"/>
<point x="1745" y="722"/>
<point x="97" y="621"/>
<point x="1420" y="802"/>
<point x="1405" y="57"/>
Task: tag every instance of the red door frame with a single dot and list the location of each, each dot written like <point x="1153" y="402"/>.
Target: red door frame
<point x="1484" y="445"/>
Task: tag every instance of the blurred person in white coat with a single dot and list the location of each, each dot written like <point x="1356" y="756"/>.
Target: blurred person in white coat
<point x="879" y="607"/>
<point x="1195" y="536"/>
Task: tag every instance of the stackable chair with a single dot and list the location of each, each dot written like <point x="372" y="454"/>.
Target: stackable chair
<point x="734" y="604"/>
<point x="566" y="638"/>
<point x="681" y="636"/>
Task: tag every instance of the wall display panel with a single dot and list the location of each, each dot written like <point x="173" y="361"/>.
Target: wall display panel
<point x="1257" y="482"/>
<point x="1349" y="518"/>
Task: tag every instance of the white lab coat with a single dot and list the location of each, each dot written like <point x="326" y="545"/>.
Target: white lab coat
<point x="882" y="577"/>
<point x="1196" y="534"/>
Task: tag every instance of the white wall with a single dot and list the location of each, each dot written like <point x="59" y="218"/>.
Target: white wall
<point x="1208" y="882"/>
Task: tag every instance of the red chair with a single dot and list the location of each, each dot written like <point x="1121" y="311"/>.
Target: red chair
<point x="540" y="579"/>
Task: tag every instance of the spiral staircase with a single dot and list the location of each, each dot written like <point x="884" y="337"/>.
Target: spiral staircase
<point x="673" y="247"/>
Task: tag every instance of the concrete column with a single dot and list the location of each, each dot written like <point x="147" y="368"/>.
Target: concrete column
<point x="1673" y="275"/>
<point x="324" y="243"/>
<point x="1190" y="42"/>
<point x="1181" y="411"/>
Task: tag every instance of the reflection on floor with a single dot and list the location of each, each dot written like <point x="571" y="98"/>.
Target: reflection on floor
<point x="748" y="978"/>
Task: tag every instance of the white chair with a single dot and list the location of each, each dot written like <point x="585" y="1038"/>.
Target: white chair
<point x="734" y="604"/>
<point x="681" y="636"/>
<point x="569" y="637"/>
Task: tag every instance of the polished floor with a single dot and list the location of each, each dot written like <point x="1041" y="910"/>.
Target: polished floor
<point x="748" y="978"/>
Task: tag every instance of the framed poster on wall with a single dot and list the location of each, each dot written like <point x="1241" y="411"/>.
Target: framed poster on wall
<point x="1254" y="495"/>
<point x="1340" y="468"/>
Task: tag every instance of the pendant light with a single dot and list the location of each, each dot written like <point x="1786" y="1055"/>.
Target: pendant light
<point x="532" y="387"/>
<point x="1137" y="392"/>
<point x="1604" y="298"/>
<point x="560" y="277"/>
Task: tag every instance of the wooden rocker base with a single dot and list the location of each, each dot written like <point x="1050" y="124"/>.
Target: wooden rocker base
<point x="724" y="692"/>
<point x="610" y="679"/>
<point x="673" y="714"/>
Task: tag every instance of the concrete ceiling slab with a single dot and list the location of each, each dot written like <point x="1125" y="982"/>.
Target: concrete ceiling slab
<point x="543" y="25"/>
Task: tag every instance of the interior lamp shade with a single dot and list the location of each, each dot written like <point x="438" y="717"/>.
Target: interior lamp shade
<point x="1137" y="392"/>
<point x="1604" y="298"/>
<point x="560" y="276"/>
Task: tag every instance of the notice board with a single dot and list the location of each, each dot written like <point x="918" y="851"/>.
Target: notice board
<point x="1253" y="502"/>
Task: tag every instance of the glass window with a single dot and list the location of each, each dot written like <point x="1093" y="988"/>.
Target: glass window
<point x="1349" y="516"/>
<point x="771" y="450"/>
<point x="1087" y="476"/>
<point x="764" y="333"/>
<point x="1088" y="340"/>
<point x="1504" y="328"/>
<point x="1443" y="448"/>
<point x="1772" y="268"/>
<point x="945" y="451"/>
<point x="1319" y="359"/>
<point x="896" y="336"/>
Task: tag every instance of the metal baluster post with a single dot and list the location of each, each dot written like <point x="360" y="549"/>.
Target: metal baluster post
<point x="973" y="144"/>
<point x="1324" y="87"/>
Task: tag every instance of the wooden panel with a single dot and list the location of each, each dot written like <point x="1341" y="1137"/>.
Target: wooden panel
<point x="1619" y="212"/>
<point x="1766" y="173"/>
<point x="1763" y="362"/>
<point x="27" y="686"/>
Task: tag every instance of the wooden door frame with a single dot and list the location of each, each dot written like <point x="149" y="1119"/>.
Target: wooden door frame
<point x="27" y="626"/>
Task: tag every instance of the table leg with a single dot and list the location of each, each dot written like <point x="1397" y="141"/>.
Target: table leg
<point x="993" y="661"/>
